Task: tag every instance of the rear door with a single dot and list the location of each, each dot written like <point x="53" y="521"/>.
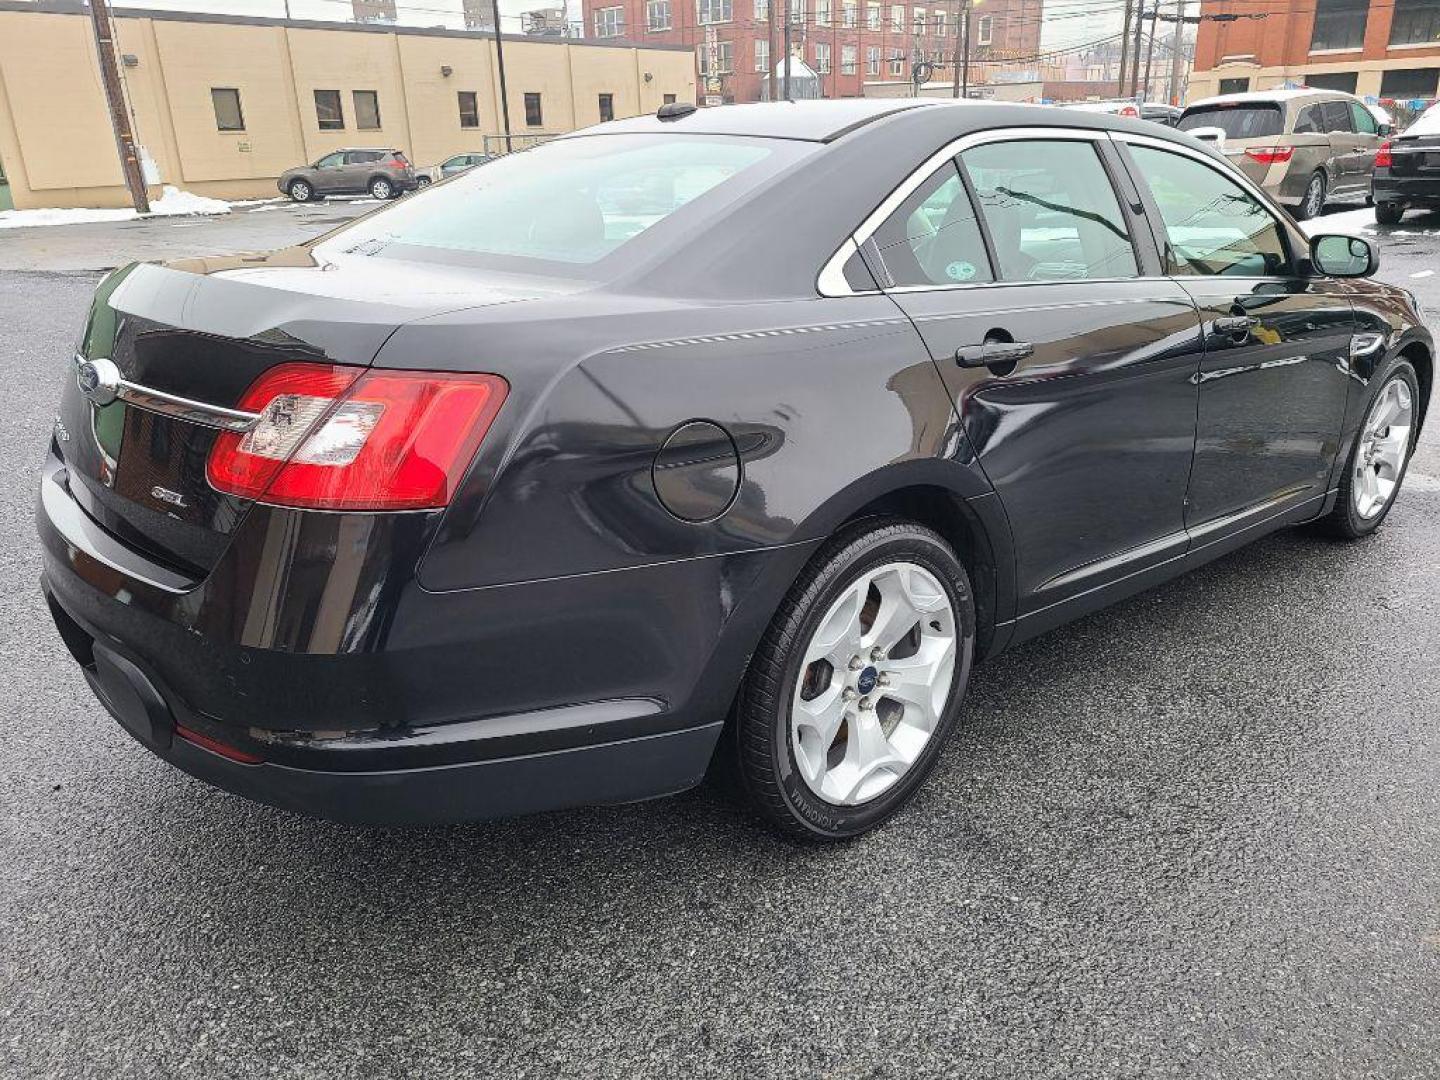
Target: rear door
<point x="1345" y="145"/>
<point x="1275" y="376"/>
<point x="1071" y="363"/>
<point x="359" y="165"/>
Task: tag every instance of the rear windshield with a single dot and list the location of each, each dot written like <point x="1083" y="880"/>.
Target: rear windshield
<point x="570" y="205"/>
<point x="1248" y="121"/>
<point x="1428" y="122"/>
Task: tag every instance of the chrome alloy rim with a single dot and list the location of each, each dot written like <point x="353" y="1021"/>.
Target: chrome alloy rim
<point x="1384" y="445"/>
<point x="875" y="679"/>
<point x="381" y="189"/>
<point x="1315" y="196"/>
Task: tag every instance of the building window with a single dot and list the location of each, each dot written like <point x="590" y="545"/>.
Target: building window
<point x="668" y="99"/>
<point x="822" y="58"/>
<point x="1409" y="83"/>
<point x="822" y="12"/>
<point x="762" y="54"/>
<point x="897" y="18"/>
<point x="228" y="115"/>
<point x="1234" y="86"/>
<point x="327" y="110"/>
<point x="985" y="30"/>
<point x="897" y="62"/>
<point x="657" y="15"/>
<point x="1339" y="24"/>
<point x="848" y="59"/>
<point x="1333" y="80"/>
<point x="919" y="22"/>
<point x="939" y="24"/>
<point x="797" y="12"/>
<point x="762" y="10"/>
<point x="367" y="110"/>
<point x="1415" y="22"/>
<point x="872" y="59"/>
<point x="609" y="21"/>
<point x="469" y="109"/>
<point x="872" y="16"/>
<point x="714" y="11"/>
<point x="724" y="58"/>
<point x="607" y="108"/>
<point x="850" y="13"/>
<point x="533" y="116"/>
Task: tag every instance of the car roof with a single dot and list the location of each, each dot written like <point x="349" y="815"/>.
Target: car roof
<point x="811" y="121"/>
<point x="1274" y="97"/>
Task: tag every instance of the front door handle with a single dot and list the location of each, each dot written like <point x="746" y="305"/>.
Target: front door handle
<point x="1236" y="327"/>
<point x="993" y="353"/>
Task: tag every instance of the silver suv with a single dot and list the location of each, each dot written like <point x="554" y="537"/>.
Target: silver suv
<point x="1301" y="146"/>
<point x="382" y="171"/>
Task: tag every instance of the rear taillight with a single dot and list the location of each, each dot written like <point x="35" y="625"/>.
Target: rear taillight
<point x="1383" y="158"/>
<point x="399" y="161"/>
<point x="1129" y="110"/>
<point x="215" y="746"/>
<point x="1269" y="155"/>
<point x="344" y="438"/>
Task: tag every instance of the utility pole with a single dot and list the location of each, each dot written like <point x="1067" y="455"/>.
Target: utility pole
<point x="1150" y="46"/>
<point x="1124" y="52"/>
<point x="500" y="66"/>
<point x="786" y="81"/>
<point x="119" y="114"/>
<point x="1135" y="54"/>
<point x="955" y="64"/>
<point x="770" y="48"/>
<point x="1177" y="59"/>
<point x="965" y="49"/>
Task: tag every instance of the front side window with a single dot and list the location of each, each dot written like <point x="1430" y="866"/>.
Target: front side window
<point x="1051" y="210"/>
<point x="331" y="161"/>
<point x="932" y="238"/>
<point x="1364" y="120"/>
<point x="533" y="116"/>
<point x="1212" y="224"/>
<point x="469" y="109"/>
<point x="1415" y="22"/>
<point x="1339" y="24"/>
<point x="327" y="110"/>
<point x="1237" y="120"/>
<point x="228" y="115"/>
<point x="657" y="15"/>
<point x="367" y="110"/>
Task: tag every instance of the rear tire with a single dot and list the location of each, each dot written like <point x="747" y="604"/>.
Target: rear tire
<point x="1313" y="201"/>
<point x="381" y="188"/>
<point x="300" y="191"/>
<point x="827" y="751"/>
<point x="1380" y="454"/>
<point x="422" y="182"/>
<point x="1387" y="213"/>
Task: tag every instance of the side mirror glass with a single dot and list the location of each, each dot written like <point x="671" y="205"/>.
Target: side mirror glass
<point x="1387" y="129"/>
<point x="1343" y="256"/>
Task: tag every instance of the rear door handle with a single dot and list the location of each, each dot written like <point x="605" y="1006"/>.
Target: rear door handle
<point x="993" y="353"/>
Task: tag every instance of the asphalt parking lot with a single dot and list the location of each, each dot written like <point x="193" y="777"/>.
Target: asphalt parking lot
<point x="1195" y="835"/>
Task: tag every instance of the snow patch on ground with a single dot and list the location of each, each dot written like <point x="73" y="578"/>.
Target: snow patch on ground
<point x="1347" y="221"/>
<point x="172" y="203"/>
<point x="1422" y="273"/>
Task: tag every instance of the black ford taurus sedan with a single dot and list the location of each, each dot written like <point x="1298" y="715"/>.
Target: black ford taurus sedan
<point x="734" y="435"/>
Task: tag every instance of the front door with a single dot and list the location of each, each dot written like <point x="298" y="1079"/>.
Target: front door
<point x="1367" y="142"/>
<point x="1274" y="379"/>
<point x="1072" y="371"/>
<point x="330" y="172"/>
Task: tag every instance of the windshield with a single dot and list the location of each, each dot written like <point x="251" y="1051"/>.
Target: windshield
<point x="1236" y="120"/>
<point x="563" y="207"/>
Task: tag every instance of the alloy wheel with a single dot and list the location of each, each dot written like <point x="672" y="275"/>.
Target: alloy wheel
<point x="381" y="189"/>
<point x="1384" y="446"/>
<point x="874" y="680"/>
<point x="1315" y="196"/>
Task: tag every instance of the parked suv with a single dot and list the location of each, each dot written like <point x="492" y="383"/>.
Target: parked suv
<point x="1407" y="170"/>
<point x="384" y="173"/>
<point x="1300" y="146"/>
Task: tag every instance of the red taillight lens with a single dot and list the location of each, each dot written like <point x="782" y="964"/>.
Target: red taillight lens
<point x="1383" y="158"/>
<point x="1129" y="110"/>
<point x="340" y="438"/>
<point x="1269" y="155"/>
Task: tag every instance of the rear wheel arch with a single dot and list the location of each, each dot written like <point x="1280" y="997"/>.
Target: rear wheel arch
<point x="1424" y="364"/>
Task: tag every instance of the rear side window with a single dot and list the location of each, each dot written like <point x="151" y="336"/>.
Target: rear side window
<point x="1337" y="115"/>
<point x="1248" y="121"/>
<point x="1051" y="211"/>
<point x="933" y="237"/>
<point x="1309" y="121"/>
<point x="1213" y="226"/>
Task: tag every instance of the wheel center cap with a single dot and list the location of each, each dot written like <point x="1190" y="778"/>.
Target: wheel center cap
<point x="867" y="679"/>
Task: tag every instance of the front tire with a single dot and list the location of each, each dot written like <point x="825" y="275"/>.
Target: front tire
<point x="857" y="682"/>
<point x="300" y="191"/>
<point x="1313" y="201"/>
<point x="1379" y="456"/>
<point x="1387" y="213"/>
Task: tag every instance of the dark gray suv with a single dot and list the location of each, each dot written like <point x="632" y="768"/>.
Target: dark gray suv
<point x="383" y="172"/>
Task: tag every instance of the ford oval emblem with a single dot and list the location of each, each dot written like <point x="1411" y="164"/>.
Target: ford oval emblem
<point x="98" y="379"/>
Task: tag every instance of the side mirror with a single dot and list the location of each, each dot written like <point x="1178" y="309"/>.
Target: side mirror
<point x="1343" y="256"/>
<point x="1387" y="130"/>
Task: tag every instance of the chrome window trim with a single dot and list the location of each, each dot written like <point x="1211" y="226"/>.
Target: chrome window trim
<point x="831" y="281"/>
<point x="181" y="408"/>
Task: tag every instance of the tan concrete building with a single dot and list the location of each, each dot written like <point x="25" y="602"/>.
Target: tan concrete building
<point x="225" y="104"/>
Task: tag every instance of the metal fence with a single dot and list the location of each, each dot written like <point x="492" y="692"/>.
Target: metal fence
<point x="495" y="144"/>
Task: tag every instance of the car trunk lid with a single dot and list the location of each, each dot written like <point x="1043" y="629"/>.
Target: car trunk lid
<point x="1415" y="155"/>
<point x="202" y="331"/>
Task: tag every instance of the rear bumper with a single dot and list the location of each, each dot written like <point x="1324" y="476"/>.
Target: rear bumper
<point x="1387" y="188"/>
<point x="410" y="707"/>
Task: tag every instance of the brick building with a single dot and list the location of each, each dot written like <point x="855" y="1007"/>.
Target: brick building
<point x="848" y="43"/>
<point x="1382" y="49"/>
